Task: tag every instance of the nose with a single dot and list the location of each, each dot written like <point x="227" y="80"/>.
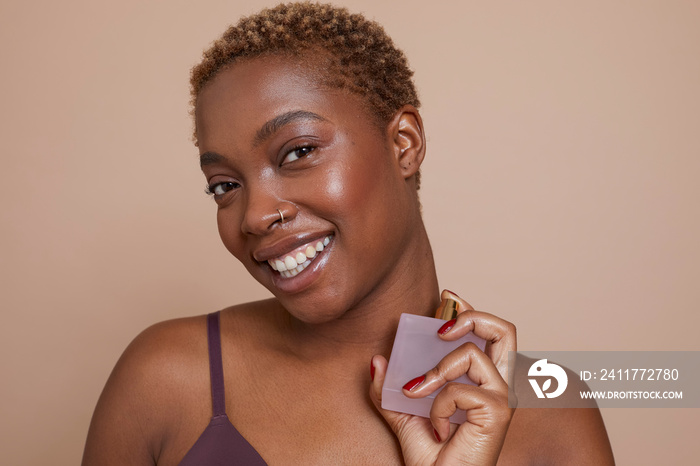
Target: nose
<point x="264" y="209"/>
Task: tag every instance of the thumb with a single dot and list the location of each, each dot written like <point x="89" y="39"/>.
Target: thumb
<point x="403" y="425"/>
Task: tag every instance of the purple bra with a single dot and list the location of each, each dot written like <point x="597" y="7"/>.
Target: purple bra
<point x="220" y="444"/>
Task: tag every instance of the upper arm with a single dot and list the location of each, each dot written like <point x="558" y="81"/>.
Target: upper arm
<point x="557" y="436"/>
<point x="134" y="411"/>
<point x="578" y="433"/>
<point x="586" y="440"/>
<point x="549" y="432"/>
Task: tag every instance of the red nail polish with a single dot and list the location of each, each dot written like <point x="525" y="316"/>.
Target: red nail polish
<point x="447" y="326"/>
<point x="451" y="292"/>
<point x="414" y="383"/>
<point x="437" y="436"/>
<point x="371" y="370"/>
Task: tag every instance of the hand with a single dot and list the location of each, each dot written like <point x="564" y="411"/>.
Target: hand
<point x="479" y="440"/>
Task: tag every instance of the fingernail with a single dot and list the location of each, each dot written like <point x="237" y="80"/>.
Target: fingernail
<point x="451" y="292"/>
<point x="437" y="436"/>
<point x="447" y="326"/>
<point x="410" y="386"/>
<point x="371" y="369"/>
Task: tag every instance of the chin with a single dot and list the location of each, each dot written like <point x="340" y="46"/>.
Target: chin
<point x="315" y="310"/>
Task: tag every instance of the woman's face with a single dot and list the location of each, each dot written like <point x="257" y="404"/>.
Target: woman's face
<point x="272" y="137"/>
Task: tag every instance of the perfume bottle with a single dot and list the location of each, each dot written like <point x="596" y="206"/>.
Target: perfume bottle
<point x="417" y="349"/>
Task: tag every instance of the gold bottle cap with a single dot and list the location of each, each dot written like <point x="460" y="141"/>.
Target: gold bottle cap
<point x="447" y="311"/>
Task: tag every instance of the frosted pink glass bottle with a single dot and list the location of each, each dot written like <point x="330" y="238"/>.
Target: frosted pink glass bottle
<point x="417" y="349"/>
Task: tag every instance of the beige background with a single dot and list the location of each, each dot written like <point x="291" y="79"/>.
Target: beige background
<point x="559" y="191"/>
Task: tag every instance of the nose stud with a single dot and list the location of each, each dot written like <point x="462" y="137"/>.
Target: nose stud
<point x="281" y="215"/>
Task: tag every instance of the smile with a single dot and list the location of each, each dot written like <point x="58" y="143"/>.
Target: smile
<point x="293" y="262"/>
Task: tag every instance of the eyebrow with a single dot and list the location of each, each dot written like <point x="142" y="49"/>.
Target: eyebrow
<point x="210" y="158"/>
<point x="274" y="125"/>
<point x="267" y="130"/>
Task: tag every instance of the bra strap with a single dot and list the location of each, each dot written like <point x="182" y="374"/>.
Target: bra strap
<point x="216" y="368"/>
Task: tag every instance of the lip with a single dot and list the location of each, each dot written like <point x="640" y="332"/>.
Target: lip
<point x="286" y="245"/>
<point x="306" y="277"/>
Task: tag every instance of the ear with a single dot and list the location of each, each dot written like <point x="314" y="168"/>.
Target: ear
<point x="406" y="135"/>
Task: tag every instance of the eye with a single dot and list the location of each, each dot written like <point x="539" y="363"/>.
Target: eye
<point x="219" y="189"/>
<point x="297" y="153"/>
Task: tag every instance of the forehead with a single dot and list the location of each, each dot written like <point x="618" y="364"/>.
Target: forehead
<point x="250" y="92"/>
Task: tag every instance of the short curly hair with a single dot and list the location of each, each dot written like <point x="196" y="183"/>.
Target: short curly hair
<point x="360" y="57"/>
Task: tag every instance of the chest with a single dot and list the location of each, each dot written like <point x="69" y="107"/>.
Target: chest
<point x="294" y="417"/>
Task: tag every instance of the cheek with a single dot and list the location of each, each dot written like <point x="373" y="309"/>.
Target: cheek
<point x="348" y="187"/>
<point x="363" y="191"/>
<point x="335" y="186"/>
<point x="343" y="184"/>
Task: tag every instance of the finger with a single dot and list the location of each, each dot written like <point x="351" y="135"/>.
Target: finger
<point x="462" y="306"/>
<point x="467" y="359"/>
<point x="500" y="335"/>
<point x="378" y="366"/>
<point x="486" y="409"/>
<point x="487" y="326"/>
<point x="415" y="434"/>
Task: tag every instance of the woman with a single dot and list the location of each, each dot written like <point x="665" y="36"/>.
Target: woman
<point x="311" y="142"/>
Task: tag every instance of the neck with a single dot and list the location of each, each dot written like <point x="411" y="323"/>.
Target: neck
<point x="369" y="326"/>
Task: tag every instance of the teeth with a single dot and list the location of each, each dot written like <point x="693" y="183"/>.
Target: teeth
<point x="290" y="262"/>
<point x="310" y="252"/>
<point x="290" y="266"/>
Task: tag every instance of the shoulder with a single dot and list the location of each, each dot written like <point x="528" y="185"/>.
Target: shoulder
<point x="163" y="353"/>
<point x="173" y="351"/>
<point x="549" y="432"/>
<point x="163" y="365"/>
<point x="169" y="360"/>
<point x="157" y="399"/>
<point x="253" y="326"/>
